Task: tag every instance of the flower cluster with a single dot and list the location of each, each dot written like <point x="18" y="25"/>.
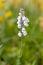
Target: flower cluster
<point x="22" y="23"/>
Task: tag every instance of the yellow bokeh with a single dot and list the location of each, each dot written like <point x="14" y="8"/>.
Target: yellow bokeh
<point x="41" y="7"/>
<point x="2" y="0"/>
<point x="1" y="19"/>
<point x="8" y="14"/>
<point x="15" y="2"/>
<point x="2" y="5"/>
<point x="40" y="1"/>
<point x="11" y="1"/>
<point x="18" y="2"/>
<point x="41" y="18"/>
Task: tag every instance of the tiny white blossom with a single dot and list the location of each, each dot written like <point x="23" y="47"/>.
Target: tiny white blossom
<point x="19" y="22"/>
<point x="23" y="29"/>
<point x="23" y="18"/>
<point x="19" y="18"/>
<point x="19" y="34"/>
<point x="24" y="33"/>
<point x="19" y="26"/>
<point x="27" y="19"/>
<point x="25" y="24"/>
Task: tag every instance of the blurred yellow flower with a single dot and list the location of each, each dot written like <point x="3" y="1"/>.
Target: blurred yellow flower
<point x="41" y="7"/>
<point x="40" y="1"/>
<point x="41" y="18"/>
<point x="2" y="0"/>
<point x="15" y="2"/>
<point x="39" y="4"/>
<point x="2" y="5"/>
<point x="35" y="2"/>
<point x="8" y="14"/>
<point x="1" y="19"/>
<point x="11" y="1"/>
<point x="18" y="2"/>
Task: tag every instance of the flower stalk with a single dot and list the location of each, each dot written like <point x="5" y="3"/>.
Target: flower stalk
<point x="22" y="23"/>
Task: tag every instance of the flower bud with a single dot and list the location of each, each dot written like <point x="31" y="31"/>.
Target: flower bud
<point x="24" y="33"/>
<point x="20" y="14"/>
<point x="19" y="34"/>
<point x="23" y="29"/>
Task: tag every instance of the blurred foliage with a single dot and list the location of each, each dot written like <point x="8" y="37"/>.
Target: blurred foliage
<point x="26" y="50"/>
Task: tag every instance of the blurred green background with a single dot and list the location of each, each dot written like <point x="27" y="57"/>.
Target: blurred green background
<point x="26" y="50"/>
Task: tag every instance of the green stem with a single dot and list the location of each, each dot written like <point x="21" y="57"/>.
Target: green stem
<point x="20" y="52"/>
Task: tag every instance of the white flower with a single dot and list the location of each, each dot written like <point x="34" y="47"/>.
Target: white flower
<point x="23" y="18"/>
<point x="19" y="22"/>
<point x="23" y="29"/>
<point x="19" y="34"/>
<point x="25" y="24"/>
<point x="24" y="33"/>
<point x="19" y="18"/>
<point x="27" y="20"/>
<point x="19" y="25"/>
<point x="22" y="22"/>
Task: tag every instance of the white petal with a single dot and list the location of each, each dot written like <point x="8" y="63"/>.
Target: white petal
<point x="19" y="25"/>
<point x="24" y="33"/>
<point x="19" y="22"/>
<point x="23" y="29"/>
<point x="27" y="19"/>
<point x="23" y="18"/>
<point x="25" y="24"/>
<point x="19" y="34"/>
<point x="19" y="18"/>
